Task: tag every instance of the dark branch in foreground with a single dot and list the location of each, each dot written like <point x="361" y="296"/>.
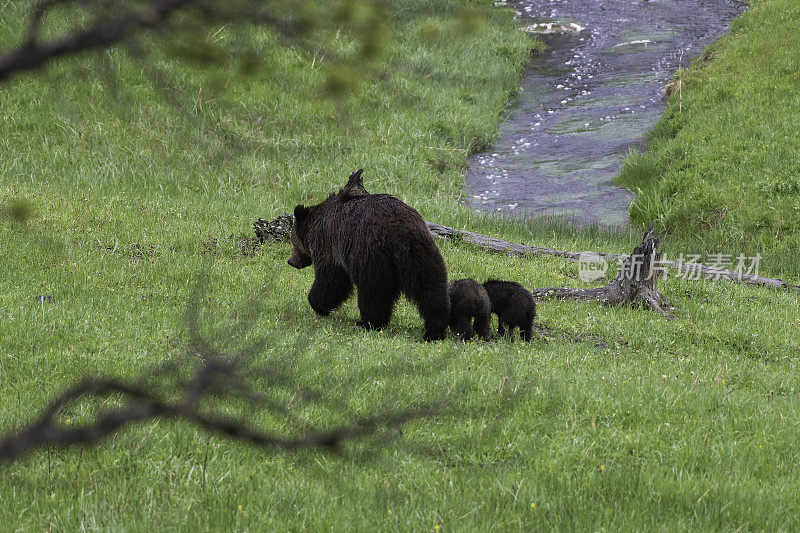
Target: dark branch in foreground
<point x="111" y="26"/>
<point x="145" y="406"/>
<point x="206" y="379"/>
<point x="101" y="34"/>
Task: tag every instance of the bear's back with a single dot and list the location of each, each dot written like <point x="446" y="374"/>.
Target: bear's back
<point x="381" y="207"/>
<point x="380" y="229"/>
<point x="382" y="215"/>
<point x="505" y="294"/>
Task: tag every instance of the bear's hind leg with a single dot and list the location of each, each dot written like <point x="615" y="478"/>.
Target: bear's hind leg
<point x="509" y="319"/>
<point x="527" y="332"/>
<point x="435" y="312"/>
<point x="435" y="330"/>
<point x="331" y="287"/>
<point x="433" y="303"/>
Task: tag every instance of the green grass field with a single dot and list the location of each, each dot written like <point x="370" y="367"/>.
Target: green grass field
<point x="721" y="170"/>
<point x="620" y="420"/>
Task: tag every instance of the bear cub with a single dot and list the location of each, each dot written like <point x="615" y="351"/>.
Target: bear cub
<point x="380" y="245"/>
<point x="513" y="305"/>
<point x="470" y="309"/>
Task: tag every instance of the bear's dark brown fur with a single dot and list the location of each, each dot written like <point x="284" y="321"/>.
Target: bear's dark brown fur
<point x="513" y="305"/>
<point x="378" y="243"/>
<point x="470" y="309"/>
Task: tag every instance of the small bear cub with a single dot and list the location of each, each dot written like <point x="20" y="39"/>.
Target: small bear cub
<point x="514" y="306"/>
<point x="470" y="309"/>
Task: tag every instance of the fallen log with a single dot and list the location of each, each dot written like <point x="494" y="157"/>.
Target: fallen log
<point x="497" y="245"/>
<point x="704" y="271"/>
<point x="281" y="227"/>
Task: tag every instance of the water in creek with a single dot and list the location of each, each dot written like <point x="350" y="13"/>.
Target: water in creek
<point x="587" y="99"/>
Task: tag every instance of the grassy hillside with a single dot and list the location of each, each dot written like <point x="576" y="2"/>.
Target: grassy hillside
<point x="620" y="419"/>
<point x="721" y="170"/>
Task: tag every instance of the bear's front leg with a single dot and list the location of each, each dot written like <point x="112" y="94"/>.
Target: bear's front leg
<point x="463" y="327"/>
<point x="331" y="287"/>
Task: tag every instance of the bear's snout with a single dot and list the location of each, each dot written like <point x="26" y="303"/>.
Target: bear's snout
<point x="293" y="261"/>
<point x="298" y="260"/>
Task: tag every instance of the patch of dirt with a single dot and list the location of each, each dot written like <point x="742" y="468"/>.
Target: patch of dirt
<point x="211" y="246"/>
<point x="248" y="246"/>
<point x="135" y="252"/>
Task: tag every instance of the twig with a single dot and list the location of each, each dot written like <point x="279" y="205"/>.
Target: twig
<point x="101" y="34"/>
<point x="216" y="376"/>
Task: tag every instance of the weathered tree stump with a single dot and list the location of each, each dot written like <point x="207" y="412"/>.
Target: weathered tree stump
<point x="636" y="282"/>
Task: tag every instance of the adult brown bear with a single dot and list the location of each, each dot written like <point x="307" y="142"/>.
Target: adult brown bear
<point x="378" y="243"/>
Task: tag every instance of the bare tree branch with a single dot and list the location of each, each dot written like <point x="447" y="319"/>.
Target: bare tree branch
<point x="107" y="29"/>
<point x="216" y="376"/>
<point x="703" y="271"/>
<point x="145" y="406"/>
<point x="280" y="228"/>
<point x="102" y="33"/>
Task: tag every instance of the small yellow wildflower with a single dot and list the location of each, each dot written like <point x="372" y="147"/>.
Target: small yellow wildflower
<point x="627" y="437"/>
<point x="533" y="505"/>
<point x="389" y="512"/>
<point x="602" y="468"/>
<point x="240" y="507"/>
<point x="69" y="421"/>
<point x="436" y="527"/>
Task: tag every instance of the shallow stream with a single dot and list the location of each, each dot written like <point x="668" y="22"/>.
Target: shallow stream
<point x="587" y="99"/>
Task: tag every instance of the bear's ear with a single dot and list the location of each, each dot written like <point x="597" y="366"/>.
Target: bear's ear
<point x="300" y="213"/>
<point x="354" y="187"/>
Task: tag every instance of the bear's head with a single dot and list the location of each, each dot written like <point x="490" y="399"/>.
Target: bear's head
<point x="301" y="256"/>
